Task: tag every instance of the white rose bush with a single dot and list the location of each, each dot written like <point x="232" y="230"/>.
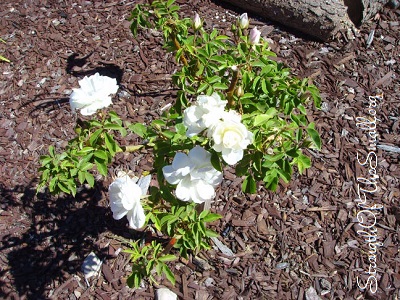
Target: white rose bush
<point x="235" y="108"/>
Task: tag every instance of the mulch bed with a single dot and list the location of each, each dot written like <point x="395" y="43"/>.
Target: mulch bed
<point x="301" y="240"/>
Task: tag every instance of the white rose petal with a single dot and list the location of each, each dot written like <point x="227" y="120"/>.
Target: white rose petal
<point x="230" y="137"/>
<point x="93" y="94"/>
<point x="204" y="113"/>
<point x="194" y="175"/>
<point x="165" y="294"/>
<point x="125" y="196"/>
<point x="254" y="36"/>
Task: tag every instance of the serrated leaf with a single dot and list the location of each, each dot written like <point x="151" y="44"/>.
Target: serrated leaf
<point x="51" y="151"/>
<point x="101" y="167"/>
<point x="219" y="85"/>
<point x="263" y="118"/>
<point x="167" y="257"/>
<point x="203" y="214"/>
<point x="168" y="273"/>
<point x="112" y="126"/>
<point x="89" y="178"/>
<point x="81" y="177"/>
<point x="249" y="185"/>
<point x="44" y="160"/>
<point x="202" y="87"/>
<point x="138" y="129"/>
<point x="215" y="161"/>
<point x="110" y="144"/>
<point x="315" y="137"/>
<point x="211" y="233"/>
<point x="63" y="187"/>
<point x="101" y="154"/>
<point x="303" y="162"/>
<point x="211" y="217"/>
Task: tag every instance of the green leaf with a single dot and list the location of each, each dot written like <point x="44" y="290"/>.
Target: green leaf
<point x="63" y="187"/>
<point x="110" y="144"/>
<point x="168" y="273"/>
<point x="215" y="161"/>
<point x="170" y="2"/>
<point x="45" y="160"/>
<point x="139" y="129"/>
<point x="271" y="180"/>
<point x="51" y="151"/>
<point x="303" y="162"/>
<point x="180" y="129"/>
<point x="86" y="166"/>
<point x="203" y="214"/>
<point x="167" y="257"/>
<point x="134" y="280"/>
<point x="114" y="117"/>
<point x="101" y="167"/>
<point x="211" y="217"/>
<point x="93" y="138"/>
<point x="211" y="233"/>
<point x="284" y="175"/>
<point x="101" y="154"/>
<point x="89" y="178"/>
<point x="202" y="87"/>
<point x="81" y="177"/>
<point x="219" y="85"/>
<point x="112" y="126"/>
<point x="84" y="151"/>
<point x="242" y="168"/>
<point x="315" y="137"/>
<point x="249" y="185"/>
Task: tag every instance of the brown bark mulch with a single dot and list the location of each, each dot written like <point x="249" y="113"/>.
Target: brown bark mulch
<point x="298" y="243"/>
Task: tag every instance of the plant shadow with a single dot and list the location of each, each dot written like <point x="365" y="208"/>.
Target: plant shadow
<point x="53" y="240"/>
<point x="107" y="69"/>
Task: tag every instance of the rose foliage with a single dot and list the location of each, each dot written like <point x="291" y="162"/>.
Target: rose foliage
<point x="235" y="106"/>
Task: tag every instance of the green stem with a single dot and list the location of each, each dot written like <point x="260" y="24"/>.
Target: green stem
<point x="177" y="47"/>
<point x="231" y="89"/>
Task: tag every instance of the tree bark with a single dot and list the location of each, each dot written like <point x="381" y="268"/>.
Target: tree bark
<point x="321" y="19"/>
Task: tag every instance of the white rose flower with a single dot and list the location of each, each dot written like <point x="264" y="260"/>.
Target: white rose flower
<point x="196" y="21"/>
<point x="243" y="21"/>
<point x="125" y="197"/>
<point x="93" y="94"/>
<point x="194" y="175"/>
<point x="230" y="137"/>
<point x="165" y="294"/>
<point x="203" y="114"/>
<point x="254" y="36"/>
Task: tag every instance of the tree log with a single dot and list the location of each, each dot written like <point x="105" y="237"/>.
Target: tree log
<point x="321" y="19"/>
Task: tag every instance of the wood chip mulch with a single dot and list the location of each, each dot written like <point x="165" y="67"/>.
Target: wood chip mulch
<point x="302" y="242"/>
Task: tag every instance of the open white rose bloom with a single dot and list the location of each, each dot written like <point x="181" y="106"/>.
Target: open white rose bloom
<point x="194" y="175"/>
<point x="125" y="197"/>
<point x="230" y="137"/>
<point x="93" y="94"/>
<point x="203" y="113"/>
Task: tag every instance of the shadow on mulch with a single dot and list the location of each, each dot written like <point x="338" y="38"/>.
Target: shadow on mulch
<point x="62" y="232"/>
<point x="44" y="103"/>
<point x="107" y="69"/>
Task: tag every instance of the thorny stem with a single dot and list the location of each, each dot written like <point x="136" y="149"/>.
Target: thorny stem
<point x="177" y="47"/>
<point x="231" y="89"/>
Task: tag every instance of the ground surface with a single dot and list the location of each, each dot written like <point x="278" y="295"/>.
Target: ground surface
<point x="302" y="237"/>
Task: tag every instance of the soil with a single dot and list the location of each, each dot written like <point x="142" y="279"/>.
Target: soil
<point x="302" y="242"/>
